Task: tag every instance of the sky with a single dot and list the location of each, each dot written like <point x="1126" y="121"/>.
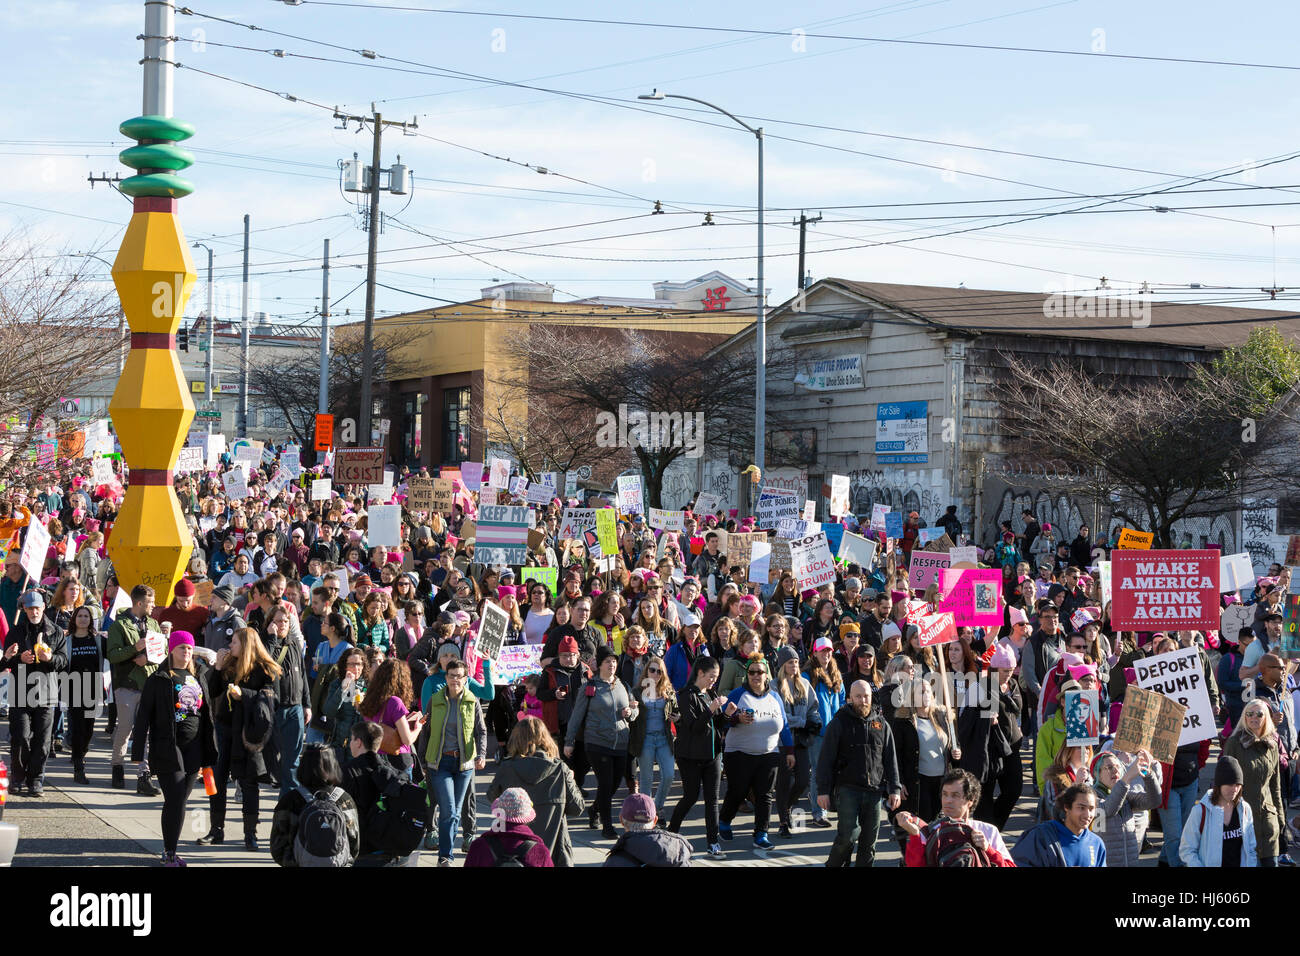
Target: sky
<point x="900" y="143"/>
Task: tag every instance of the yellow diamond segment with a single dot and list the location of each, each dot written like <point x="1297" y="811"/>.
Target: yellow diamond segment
<point x="149" y="543"/>
<point x="151" y="408"/>
<point x="154" y="273"/>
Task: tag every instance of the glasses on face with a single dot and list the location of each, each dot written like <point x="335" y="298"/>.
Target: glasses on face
<point x="758" y="673"/>
<point x="652" y="670"/>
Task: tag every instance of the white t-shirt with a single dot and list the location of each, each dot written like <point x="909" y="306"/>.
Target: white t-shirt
<point x="1253" y="653"/>
<point x="535" y="625"/>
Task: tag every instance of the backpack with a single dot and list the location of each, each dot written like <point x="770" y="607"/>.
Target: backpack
<point x="948" y="843"/>
<point x="395" y="823"/>
<point x="322" y="835"/>
<point x="516" y="858"/>
<point x="259" y="721"/>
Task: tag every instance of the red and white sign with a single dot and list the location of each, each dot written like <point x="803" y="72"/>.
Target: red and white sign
<point x="811" y="561"/>
<point x="1164" y="590"/>
<point x="973" y="597"/>
<point x="937" y="629"/>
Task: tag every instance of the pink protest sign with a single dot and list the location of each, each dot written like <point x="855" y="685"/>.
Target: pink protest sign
<point x="924" y="569"/>
<point x="974" y="598"/>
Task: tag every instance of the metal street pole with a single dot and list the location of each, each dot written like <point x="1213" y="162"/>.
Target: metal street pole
<point x="207" y="371"/>
<point x="243" y="344"/>
<point x="323" y="395"/>
<point x="760" y="308"/>
<point x="372" y="249"/>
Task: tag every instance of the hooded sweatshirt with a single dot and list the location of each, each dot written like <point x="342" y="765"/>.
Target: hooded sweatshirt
<point x="656" y="848"/>
<point x="1202" y="838"/>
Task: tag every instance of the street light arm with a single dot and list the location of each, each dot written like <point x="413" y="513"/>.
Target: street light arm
<point x="713" y="106"/>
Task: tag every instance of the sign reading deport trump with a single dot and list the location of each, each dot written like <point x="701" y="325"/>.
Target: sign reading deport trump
<point x="1164" y="590"/>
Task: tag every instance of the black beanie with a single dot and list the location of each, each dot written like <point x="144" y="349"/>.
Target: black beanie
<point x="1227" y="771"/>
<point x="602" y="652"/>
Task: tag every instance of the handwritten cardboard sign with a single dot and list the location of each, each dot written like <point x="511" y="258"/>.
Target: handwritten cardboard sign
<point x="359" y="466"/>
<point x="1149" y="721"/>
<point x="1155" y="590"/>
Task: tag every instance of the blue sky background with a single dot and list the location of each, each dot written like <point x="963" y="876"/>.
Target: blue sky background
<point x="72" y="75"/>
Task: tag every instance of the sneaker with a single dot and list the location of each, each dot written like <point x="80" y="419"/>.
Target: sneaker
<point x="1285" y="860"/>
<point x="821" y="822"/>
<point x="724" y="831"/>
<point x="715" y="852"/>
<point x="173" y="862"/>
<point x="785" y="832"/>
<point x="444" y="861"/>
<point x="430" y="841"/>
<point x="38" y="790"/>
<point x="761" y="842"/>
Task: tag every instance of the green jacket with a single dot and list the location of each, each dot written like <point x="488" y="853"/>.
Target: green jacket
<point x="473" y="732"/>
<point x="120" y="651"/>
<point x="1050" y="737"/>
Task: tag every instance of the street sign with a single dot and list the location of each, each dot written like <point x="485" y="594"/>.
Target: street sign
<point x="207" y="414"/>
<point x="324" y="432"/>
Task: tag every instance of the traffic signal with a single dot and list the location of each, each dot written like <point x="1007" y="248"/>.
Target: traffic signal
<point x="183" y="340"/>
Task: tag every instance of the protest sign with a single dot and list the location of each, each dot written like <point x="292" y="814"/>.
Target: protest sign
<point x="1290" y="644"/>
<point x="103" y="471"/>
<point x="1082" y="718"/>
<point x="606" y="531"/>
<point x="548" y="576"/>
<point x="812" y="562"/>
<point x="234" y="483"/>
<point x="1080" y="618"/>
<point x="518" y="486"/>
<point x="575" y="520"/>
<point x="1155" y="590"/>
<point x="358" y="466"/>
<point x="1179" y="676"/>
<point x="279" y="481"/>
<point x="760" y="561"/>
<point x="35" y="547"/>
<point x="1104" y="575"/>
<point x="667" y="520"/>
<point x="1236" y="572"/>
<point x="321" y="489"/>
<point x="291" y="460"/>
<point x="189" y="460"/>
<point x="1149" y="721"/>
<point x="213" y="447"/>
<point x="925" y="535"/>
<point x="809" y="511"/>
<point x="502" y="534"/>
<point x="539" y="494"/>
<point x="492" y="631"/>
<point x="893" y="524"/>
<point x="1235" y="618"/>
<point x="471" y="473"/>
<point x="925" y="568"/>
<point x="741" y="546"/>
<point x="942" y="543"/>
<point x="772" y="506"/>
<point x="706" y="504"/>
<point x="937" y="629"/>
<point x="498" y="474"/>
<point x="1135" y="540"/>
<point x="967" y="555"/>
<point x="516" y="662"/>
<point x="444" y="495"/>
<point x="834" y="535"/>
<point x="536" y="539"/>
<point x="382" y="491"/>
<point x="855" y="549"/>
<point x="839" y="506"/>
<point x="878" y="512"/>
<point x="630" y="497"/>
<point x="974" y="598"/>
<point x="791" y="528"/>
<point x="781" y="558"/>
<point x="155" y="647"/>
<point x="570" y="484"/>
<point x="385" y="523"/>
<point x="419" y="494"/>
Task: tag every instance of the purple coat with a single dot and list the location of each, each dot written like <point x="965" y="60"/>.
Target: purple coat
<point x="507" y="841"/>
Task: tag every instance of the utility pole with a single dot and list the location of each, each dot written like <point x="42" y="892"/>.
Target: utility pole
<point x="243" y="344"/>
<point x="803" y="222"/>
<point x="323" y="396"/>
<point x="377" y="124"/>
<point x="207" y="372"/>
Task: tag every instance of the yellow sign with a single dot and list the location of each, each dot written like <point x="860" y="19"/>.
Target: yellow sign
<point x="1135" y="540"/>
<point x="197" y="388"/>
<point x="606" y="532"/>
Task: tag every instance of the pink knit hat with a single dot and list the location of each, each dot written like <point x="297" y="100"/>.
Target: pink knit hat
<point x="1003" y="658"/>
<point x="1017" y="616"/>
<point x="748" y="600"/>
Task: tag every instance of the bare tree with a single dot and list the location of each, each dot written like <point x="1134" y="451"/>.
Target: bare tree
<point x="58" y="332"/>
<point x="1162" y="451"/>
<point x="586" y="389"/>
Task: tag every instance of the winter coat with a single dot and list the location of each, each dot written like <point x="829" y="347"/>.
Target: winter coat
<point x="25" y="635"/>
<point x="121" y="653"/>
<point x="699" y="733"/>
<point x="636" y="736"/>
<point x="858" y="752"/>
<point x="284" y="825"/>
<point x="506" y="841"/>
<point x="1262" y="788"/>
<point x="829" y="703"/>
<point x="598" y="711"/>
<point x="1121" y="821"/>
<point x="234" y="713"/>
<point x="1202" y="840"/>
<point x="155" y="722"/>
<point x="550" y="785"/>
<point x="907" y="746"/>
<point x="804" y="717"/>
<point x="656" y="848"/>
<point x="473" y="732"/>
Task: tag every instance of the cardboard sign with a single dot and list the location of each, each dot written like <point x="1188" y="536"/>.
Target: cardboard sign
<point x="1131" y="540"/>
<point x="189" y="460"/>
<point x="781" y="559"/>
<point x="707" y="504"/>
<point x="925" y="569"/>
<point x="812" y="562"/>
<point x="855" y="549"/>
<point x="443" y="496"/>
<point x="324" y="433"/>
<point x="35" y="547"/>
<point x="419" y="494"/>
<point x="937" y="629"/>
<point x="385" y="523"/>
<point x="1236" y="572"/>
<point x="548" y="576"/>
<point x="1179" y="676"/>
<point x="741" y="546"/>
<point x="667" y="520"/>
<point x="963" y="555"/>
<point x="359" y="466"/>
<point x="516" y="662"/>
<point x="878" y="512"/>
<point x="234" y="483"/>
<point x="155" y="647"/>
<point x="942" y="543"/>
<point x="893" y="524"/>
<point x="1082" y="710"/>
<point x="839" y="506"/>
<point x="321" y="489"/>
<point x="1149" y="721"/>
<point x="1156" y="590"/>
<point x="575" y="520"/>
<point x="974" y="598"/>
<point x="630" y="497"/>
<point x="772" y="506"/>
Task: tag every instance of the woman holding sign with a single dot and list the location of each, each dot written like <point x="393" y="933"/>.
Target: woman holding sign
<point x="1254" y="746"/>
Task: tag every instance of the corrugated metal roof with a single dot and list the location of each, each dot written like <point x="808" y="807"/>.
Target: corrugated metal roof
<point x="1002" y="312"/>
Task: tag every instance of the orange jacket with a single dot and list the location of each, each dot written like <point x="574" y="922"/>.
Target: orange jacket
<point x="9" y="526"/>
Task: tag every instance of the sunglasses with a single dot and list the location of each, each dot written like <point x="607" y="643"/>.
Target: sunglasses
<point x="652" y="670"/>
<point x="758" y="673"/>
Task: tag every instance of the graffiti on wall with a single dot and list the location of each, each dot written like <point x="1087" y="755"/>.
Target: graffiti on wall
<point x="920" y="491"/>
<point x="1258" y="529"/>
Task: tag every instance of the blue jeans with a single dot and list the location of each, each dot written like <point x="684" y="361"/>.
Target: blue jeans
<point x="859" y="822"/>
<point x="1174" y="817"/>
<point x="449" y="786"/>
<point x="316" y="736"/>
<point x="288" y="734"/>
<point x="656" y="747"/>
<point x="814" y="751"/>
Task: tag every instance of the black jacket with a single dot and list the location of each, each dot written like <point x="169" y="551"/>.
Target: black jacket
<point x="699" y="733"/>
<point x="233" y="714"/>
<point x="1081" y="552"/>
<point x="155" y="723"/>
<point x="858" y="752"/>
<point x="293" y="687"/>
<point x="25" y="634"/>
<point x="655" y="848"/>
<point x="364" y="778"/>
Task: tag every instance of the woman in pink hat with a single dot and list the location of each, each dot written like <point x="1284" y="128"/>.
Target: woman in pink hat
<point x="510" y="841"/>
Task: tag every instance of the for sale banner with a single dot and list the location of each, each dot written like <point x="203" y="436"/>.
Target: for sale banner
<point x="1163" y="590"/>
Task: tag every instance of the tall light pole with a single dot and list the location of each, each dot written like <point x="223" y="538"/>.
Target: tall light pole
<point x="760" y="310"/>
<point x="212" y="319"/>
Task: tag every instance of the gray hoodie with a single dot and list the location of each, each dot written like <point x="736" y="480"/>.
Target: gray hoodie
<point x="599" y="712"/>
<point x="657" y="848"/>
